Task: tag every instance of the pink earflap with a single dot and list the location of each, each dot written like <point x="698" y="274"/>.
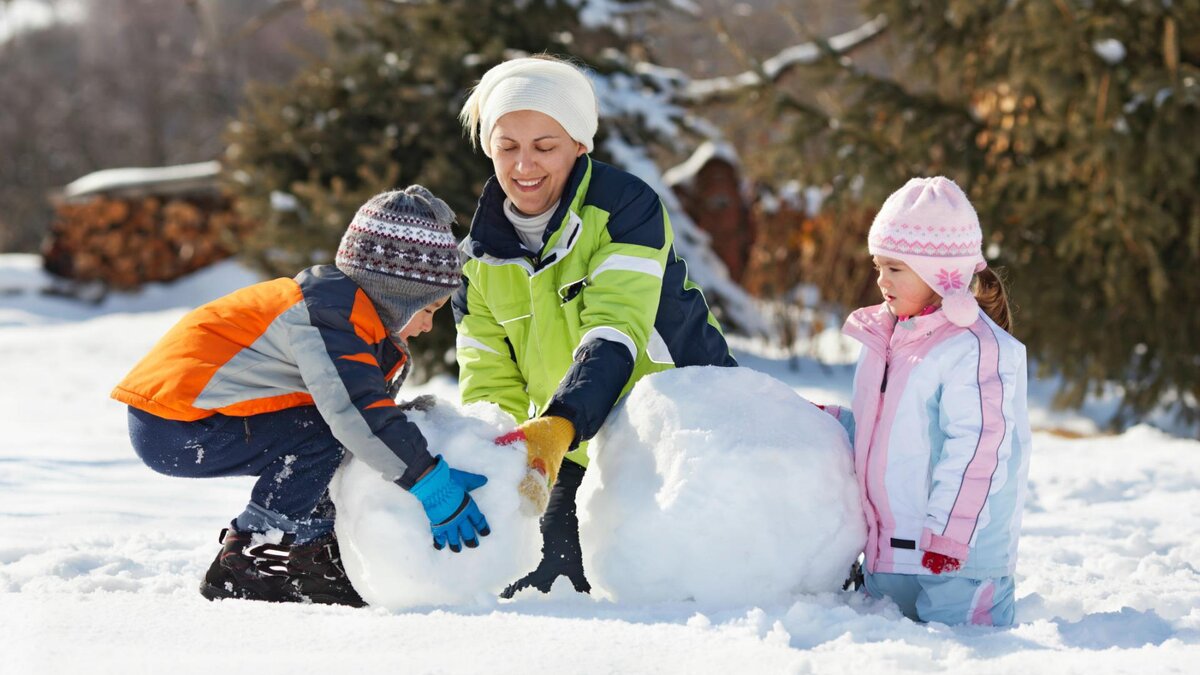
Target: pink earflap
<point x="961" y="309"/>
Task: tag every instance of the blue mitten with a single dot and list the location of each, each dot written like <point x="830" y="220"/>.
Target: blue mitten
<point x="453" y="516"/>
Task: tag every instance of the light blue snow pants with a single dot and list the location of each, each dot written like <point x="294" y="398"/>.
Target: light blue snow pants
<point x="948" y="600"/>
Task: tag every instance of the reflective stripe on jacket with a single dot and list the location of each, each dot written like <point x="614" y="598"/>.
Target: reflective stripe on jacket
<point x="313" y="340"/>
<point x="606" y="290"/>
<point x="941" y="441"/>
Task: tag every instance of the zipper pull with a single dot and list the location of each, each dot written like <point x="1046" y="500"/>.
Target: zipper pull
<point x="883" y="385"/>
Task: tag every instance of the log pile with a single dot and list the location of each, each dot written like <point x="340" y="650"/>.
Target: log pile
<point x="125" y="242"/>
<point x="121" y="228"/>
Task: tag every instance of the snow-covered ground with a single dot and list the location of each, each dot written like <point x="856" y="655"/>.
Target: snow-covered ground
<point x="100" y="557"/>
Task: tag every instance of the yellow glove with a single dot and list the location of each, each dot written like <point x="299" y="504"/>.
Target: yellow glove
<point x="547" y="440"/>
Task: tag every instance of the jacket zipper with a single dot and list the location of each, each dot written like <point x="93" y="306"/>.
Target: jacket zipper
<point x="887" y="357"/>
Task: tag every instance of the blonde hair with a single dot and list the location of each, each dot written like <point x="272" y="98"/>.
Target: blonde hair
<point x="992" y="296"/>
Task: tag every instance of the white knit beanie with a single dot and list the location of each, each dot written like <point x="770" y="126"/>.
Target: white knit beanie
<point x="930" y="225"/>
<point x="551" y="87"/>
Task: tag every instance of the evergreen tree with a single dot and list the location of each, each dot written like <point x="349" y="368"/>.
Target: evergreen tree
<point x="1071" y="125"/>
<point x="379" y="111"/>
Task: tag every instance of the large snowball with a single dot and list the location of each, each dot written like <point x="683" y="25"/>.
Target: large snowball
<point x="719" y="485"/>
<point x="384" y="534"/>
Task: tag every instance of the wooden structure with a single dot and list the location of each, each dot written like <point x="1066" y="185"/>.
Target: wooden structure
<point x="127" y="227"/>
<point x="709" y="188"/>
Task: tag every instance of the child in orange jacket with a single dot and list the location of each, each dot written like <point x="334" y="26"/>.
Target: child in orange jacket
<point x="278" y="380"/>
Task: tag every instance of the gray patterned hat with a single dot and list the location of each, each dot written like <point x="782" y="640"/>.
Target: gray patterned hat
<point x="400" y="250"/>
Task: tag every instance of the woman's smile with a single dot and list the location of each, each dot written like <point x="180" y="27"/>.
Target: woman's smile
<point x="529" y="185"/>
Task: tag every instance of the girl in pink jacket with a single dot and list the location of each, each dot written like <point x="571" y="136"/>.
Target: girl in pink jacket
<point x="939" y="421"/>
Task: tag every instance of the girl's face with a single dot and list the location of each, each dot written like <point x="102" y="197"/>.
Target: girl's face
<point x="903" y="291"/>
<point x="532" y="155"/>
<point x="422" y="321"/>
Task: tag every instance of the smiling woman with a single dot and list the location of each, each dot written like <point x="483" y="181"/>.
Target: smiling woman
<point x="572" y="290"/>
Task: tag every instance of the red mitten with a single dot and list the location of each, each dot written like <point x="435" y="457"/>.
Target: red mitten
<point x="938" y="563"/>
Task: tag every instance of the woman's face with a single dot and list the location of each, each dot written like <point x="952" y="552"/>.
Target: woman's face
<point x="532" y="155"/>
<point x="422" y="321"/>
<point x="903" y="290"/>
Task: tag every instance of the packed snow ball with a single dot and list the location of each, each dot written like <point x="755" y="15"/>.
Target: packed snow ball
<point x="384" y="535"/>
<point x="719" y="485"/>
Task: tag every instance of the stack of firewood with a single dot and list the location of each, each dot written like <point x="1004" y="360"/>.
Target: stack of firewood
<point x="126" y="242"/>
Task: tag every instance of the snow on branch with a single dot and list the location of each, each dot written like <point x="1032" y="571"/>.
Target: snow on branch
<point x="773" y="68"/>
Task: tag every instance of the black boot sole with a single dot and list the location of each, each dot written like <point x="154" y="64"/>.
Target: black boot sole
<point x="318" y="599"/>
<point x="212" y="592"/>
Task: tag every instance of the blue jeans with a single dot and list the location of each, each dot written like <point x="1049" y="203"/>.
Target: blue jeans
<point x="948" y="600"/>
<point x="292" y="451"/>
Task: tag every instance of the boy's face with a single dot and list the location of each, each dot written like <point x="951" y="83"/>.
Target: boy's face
<point x="422" y="321"/>
<point x="905" y="293"/>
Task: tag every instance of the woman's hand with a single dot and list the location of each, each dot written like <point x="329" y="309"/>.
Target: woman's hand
<point x="547" y="440"/>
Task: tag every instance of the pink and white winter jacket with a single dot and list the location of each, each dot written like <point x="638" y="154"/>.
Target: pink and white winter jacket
<point x="941" y="441"/>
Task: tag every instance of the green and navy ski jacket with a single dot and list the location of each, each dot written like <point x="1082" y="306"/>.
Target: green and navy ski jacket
<point x="569" y="329"/>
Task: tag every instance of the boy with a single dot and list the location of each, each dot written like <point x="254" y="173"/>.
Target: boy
<point x="279" y="379"/>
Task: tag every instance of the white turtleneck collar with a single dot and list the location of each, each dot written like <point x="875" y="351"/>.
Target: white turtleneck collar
<point x="529" y="228"/>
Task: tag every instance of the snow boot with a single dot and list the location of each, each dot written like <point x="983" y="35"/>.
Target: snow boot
<point x="855" y="579"/>
<point x="318" y="575"/>
<point x="561" y="553"/>
<point x="247" y="570"/>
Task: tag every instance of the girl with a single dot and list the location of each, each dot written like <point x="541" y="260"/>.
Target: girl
<point x="939" y="424"/>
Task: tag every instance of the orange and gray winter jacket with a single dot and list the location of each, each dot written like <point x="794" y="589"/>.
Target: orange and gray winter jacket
<point x="312" y="340"/>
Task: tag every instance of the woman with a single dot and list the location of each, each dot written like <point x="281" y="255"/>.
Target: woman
<point x="571" y="289"/>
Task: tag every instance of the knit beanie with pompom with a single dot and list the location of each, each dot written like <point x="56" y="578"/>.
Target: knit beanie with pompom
<point x="401" y="251"/>
<point x="930" y="225"/>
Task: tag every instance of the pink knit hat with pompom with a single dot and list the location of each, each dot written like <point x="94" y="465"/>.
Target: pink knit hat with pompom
<point x="930" y="225"/>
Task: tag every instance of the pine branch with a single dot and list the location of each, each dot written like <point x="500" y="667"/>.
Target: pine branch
<point x="888" y="86"/>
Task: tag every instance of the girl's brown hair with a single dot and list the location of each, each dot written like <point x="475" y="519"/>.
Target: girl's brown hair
<point x="992" y="296"/>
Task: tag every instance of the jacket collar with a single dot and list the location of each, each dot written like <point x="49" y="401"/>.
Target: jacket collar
<point x="493" y="235"/>
<point x="877" y="327"/>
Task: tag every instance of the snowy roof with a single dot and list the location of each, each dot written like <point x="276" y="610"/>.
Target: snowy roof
<point x="140" y="181"/>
